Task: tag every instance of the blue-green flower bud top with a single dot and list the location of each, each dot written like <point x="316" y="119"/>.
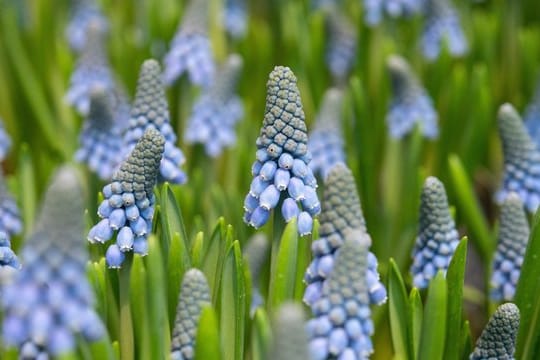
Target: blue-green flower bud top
<point x="437" y="235"/>
<point x="290" y="338"/>
<point x="498" y="340"/>
<point x="342" y="325"/>
<point x="194" y="295"/>
<point x="49" y="301"/>
<point x="281" y="170"/>
<point x="513" y="239"/>
<point x="129" y="201"/>
<point x="521" y="160"/>
<point x="151" y="111"/>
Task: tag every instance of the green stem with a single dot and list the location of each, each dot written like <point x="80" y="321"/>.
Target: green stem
<point x="126" y="322"/>
<point x="278" y="224"/>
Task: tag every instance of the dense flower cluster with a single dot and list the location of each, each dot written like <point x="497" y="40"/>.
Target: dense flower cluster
<point x="376" y="9"/>
<point x="84" y="13"/>
<point x="281" y="171"/>
<point x="194" y="295"/>
<point x="341" y="44"/>
<point x="521" y="160"/>
<point x="7" y="256"/>
<point x="342" y="325"/>
<point x="217" y="111"/>
<point x="442" y="25"/>
<point x="10" y="219"/>
<point x="498" y="340"/>
<point x="151" y="111"/>
<point x="437" y="235"/>
<point x="532" y="117"/>
<point x="513" y="238"/>
<point x="341" y="212"/>
<point x="128" y="206"/>
<point x="326" y="140"/>
<point x="256" y="254"/>
<point x="5" y="141"/>
<point x="101" y="144"/>
<point x="190" y="49"/>
<point x="49" y="300"/>
<point x="290" y="340"/>
<point x="235" y="17"/>
<point x="410" y="104"/>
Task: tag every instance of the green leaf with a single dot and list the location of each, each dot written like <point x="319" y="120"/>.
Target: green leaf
<point x="172" y="223"/>
<point x="283" y="276"/>
<point x="102" y="349"/>
<point x="415" y="325"/>
<point x="207" y="345"/>
<point x="434" y="321"/>
<point x="398" y="306"/>
<point x="197" y="251"/>
<point x="233" y="306"/>
<point x="466" y="341"/>
<point x="176" y="267"/>
<point x="139" y="307"/>
<point x="215" y="251"/>
<point x="455" y="280"/>
<point x="527" y="298"/>
<point x="261" y="337"/>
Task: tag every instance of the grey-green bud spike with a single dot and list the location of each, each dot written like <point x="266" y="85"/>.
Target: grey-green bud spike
<point x="516" y="142"/>
<point x="100" y="115"/>
<point x="290" y="338"/>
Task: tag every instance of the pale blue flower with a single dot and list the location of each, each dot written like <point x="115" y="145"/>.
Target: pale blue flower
<point x="376" y="10"/>
<point x="5" y="141"/>
<point x="10" y="218"/>
<point x="341" y="44"/>
<point x="532" y="117"/>
<point x="84" y="13"/>
<point x="235" y="17"/>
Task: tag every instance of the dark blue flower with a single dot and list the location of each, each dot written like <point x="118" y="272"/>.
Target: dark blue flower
<point x="194" y="295"/>
<point x="235" y="17"/>
<point x="191" y="49"/>
<point x="410" y="104"/>
<point x="217" y="111"/>
<point x="84" y="13"/>
<point x="442" y="25"/>
<point x="128" y="206"/>
<point x="341" y="326"/>
<point x="290" y="340"/>
<point x="375" y="10"/>
<point x="498" y="340"/>
<point x="341" y="44"/>
<point x="437" y="235"/>
<point x="341" y="212"/>
<point x="50" y="301"/>
<point x="521" y="160"/>
<point x="281" y="170"/>
<point x="326" y="141"/>
<point x="151" y="111"/>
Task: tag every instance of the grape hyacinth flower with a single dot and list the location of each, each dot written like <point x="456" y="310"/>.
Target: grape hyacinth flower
<point x="191" y="50"/>
<point x="129" y="201"/>
<point x="410" y="104"/>
<point x="341" y="211"/>
<point x="49" y="301"/>
<point x="498" y="340"/>
<point x="217" y="111"/>
<point x="521" y="160"/>
<point x="376" y="9"/>
<point x="437" y="235"/>
<point x="513" y="239"/>
<point x="256" y="254"/>
<point x="442" y="25"/>
<point x="340" y="45"/>
<point x="7" y="256"/>
<point x="151" y="111"/>
<point x="342" y="325"/>
<point x="101" y="144"/>
<point x="532" y="117"/>
<point x="92" y="70"/>
<point x="235" y="17"/>
<point x="5" y="141"/>
<point x="290" y="338"/>
<point x="84" y="12"/>
<point x="194" y="296"/>
<point x="326" y="141"/>
<point x="10" y="218"/>
<point x="281" y="172"/>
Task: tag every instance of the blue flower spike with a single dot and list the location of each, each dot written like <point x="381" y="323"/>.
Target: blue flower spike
<point x="49" y="302"/>
<point x="532" y="117"/>
<point x="84" y="12"/>
<point x="376" y="10"/>
<point x="341" y="326"/>
<point x="91" y="70"/>
<point x="5" y="141"/>
<point x="190" y="49"/>
<point x="101" y="143"/>
<point x="10" y="218"/>
<point x="217" y="111"/>
<point x="150" y="110"/>
<point x="290" y="339"/>
<point x="281" y="171"/>
<point x="521" y="160"/>
<point x="341" y="44"/>
<point x="194" y="296"/>
<point x="128" y="207"/>
<point x="442" y="26"/>
<point x="235" y="18"/>
<point x="341" y="211"/>
<point x="437" y="235"/>
<point x="511" y="246"/>
<point x="256" y="254"/>
<point x="326" y="140"/>
<point x="410" y="104"/>
<point x="498" y="340"/>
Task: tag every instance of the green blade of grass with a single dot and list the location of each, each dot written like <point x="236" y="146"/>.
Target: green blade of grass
<point x="434" y="320"/>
